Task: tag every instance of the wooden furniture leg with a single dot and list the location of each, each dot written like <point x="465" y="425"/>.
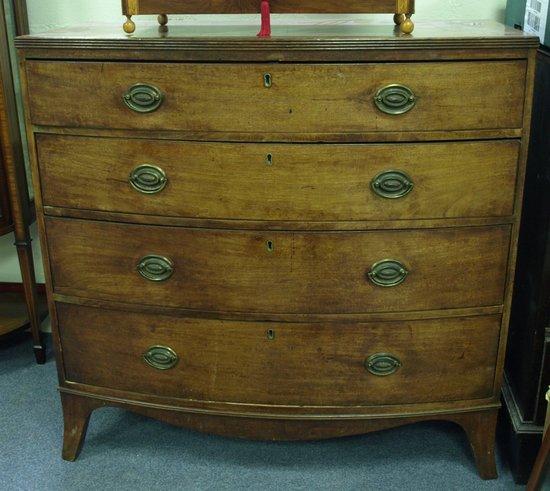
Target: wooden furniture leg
<point x="26" y="262"/>
<point x="480" y="428"/>
<point x="399" y="19"/>
<point x="403" y="12"/>
<point x="542" y="463"/>
<point x="129" y="26"/>
<point x="11" y="151"/>
<point x="76" y="415"/>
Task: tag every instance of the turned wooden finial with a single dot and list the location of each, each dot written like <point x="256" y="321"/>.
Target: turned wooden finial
<point x="407" y="26"/>
<point x="129" y="26"/>
<point x="163" y="20"/>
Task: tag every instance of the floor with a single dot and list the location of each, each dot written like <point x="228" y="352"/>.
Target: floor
<point x="128" y="452"/>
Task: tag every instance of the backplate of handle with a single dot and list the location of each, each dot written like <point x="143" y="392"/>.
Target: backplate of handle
<point x="395" y="99"/>
<point x="143" y="98"/>
<point x="148" y="179"/>
<point x="155" y="268"/>
<point x="382" y="364"/>
<point x="388" y="273"/>
<point x="392" y="184"/>
<point x="161" y="357"/>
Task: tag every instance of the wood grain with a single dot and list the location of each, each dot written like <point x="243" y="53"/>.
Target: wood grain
<point x="303" y="182"/>
<point x="321" y="98"/>
<point x="306" y="273"/>
<point x="478" y="424"/>
<point x="15" y="204"/>
<point x="133" y="7"/>
<point x="301" y="137"/>
<point x="327" y="38"/>
<point x="473" y="82"/>
<point x="359" y="225"/>
<point x="305" y="364"/>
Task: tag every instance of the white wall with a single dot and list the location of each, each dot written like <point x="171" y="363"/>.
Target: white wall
<point x="48" y="14"/>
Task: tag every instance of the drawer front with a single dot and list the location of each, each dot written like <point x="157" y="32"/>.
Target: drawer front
<point x="336" y="272"/>
<point x="278" y="98"/>
<point x="277" y="181"/>
<point x="269" y="363"/>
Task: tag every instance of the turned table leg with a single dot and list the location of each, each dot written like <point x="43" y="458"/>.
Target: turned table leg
<point x="24" y="252"/>
<point x="480" y="427"/>
<point x="76" y="415"/>
<point x="129" y="26"/>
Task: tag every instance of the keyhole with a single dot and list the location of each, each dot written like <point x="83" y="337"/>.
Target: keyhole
<point x="268" y="80"/>
<point x="270" y="334"/>
<point x="269" y="159"/>
<point x="270" y="246"/>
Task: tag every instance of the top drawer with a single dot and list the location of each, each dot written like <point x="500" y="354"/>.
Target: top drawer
<point x="274" y="99"/>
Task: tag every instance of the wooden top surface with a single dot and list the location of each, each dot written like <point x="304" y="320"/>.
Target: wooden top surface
<point x="320" y="33"/>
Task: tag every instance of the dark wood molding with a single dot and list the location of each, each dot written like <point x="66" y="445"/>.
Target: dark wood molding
<point x="21" y="17"/>
<point x="276" y="225"/>
<point x="278" y="317"/>
<point x="519" y="424"/>
<point x="18" y="287"/>
<point x="279" y="412"/>
<point x="518" y="439"/>
<point x="357" y="37"/>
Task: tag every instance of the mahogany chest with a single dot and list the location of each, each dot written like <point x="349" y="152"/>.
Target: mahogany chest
<point x="301" y="237"/>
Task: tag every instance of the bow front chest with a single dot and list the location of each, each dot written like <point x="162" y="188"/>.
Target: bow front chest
<point x="301" y="237"/>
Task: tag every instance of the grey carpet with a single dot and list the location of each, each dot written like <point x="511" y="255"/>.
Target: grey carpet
<point x="124" y="451"/>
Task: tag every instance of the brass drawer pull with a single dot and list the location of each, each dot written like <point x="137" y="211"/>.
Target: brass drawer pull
<point x="143" y="98"/>
<point x="395" y="99"/>
<point x="392" y="184"/>
<point x="155" y="268"/>
<point x="148" y="179"/>
<point x="388" y="272"/>
<point x="382" y="364"/>
<point x="161" y="357"/>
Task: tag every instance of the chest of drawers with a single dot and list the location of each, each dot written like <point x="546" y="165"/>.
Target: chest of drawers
<point x="302" y="237"/>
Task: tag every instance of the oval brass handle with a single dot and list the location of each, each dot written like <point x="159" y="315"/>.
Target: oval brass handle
<point x="148" y="179"/>
<point x="395" y="99"/>
<point x="143" y="98"/>
<point x="392" y="184"/>
<point x="382" y="364"/>
<point x="161" y="357"/>
<point x="388" y="272"/>
<point x="155" y="268"/>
